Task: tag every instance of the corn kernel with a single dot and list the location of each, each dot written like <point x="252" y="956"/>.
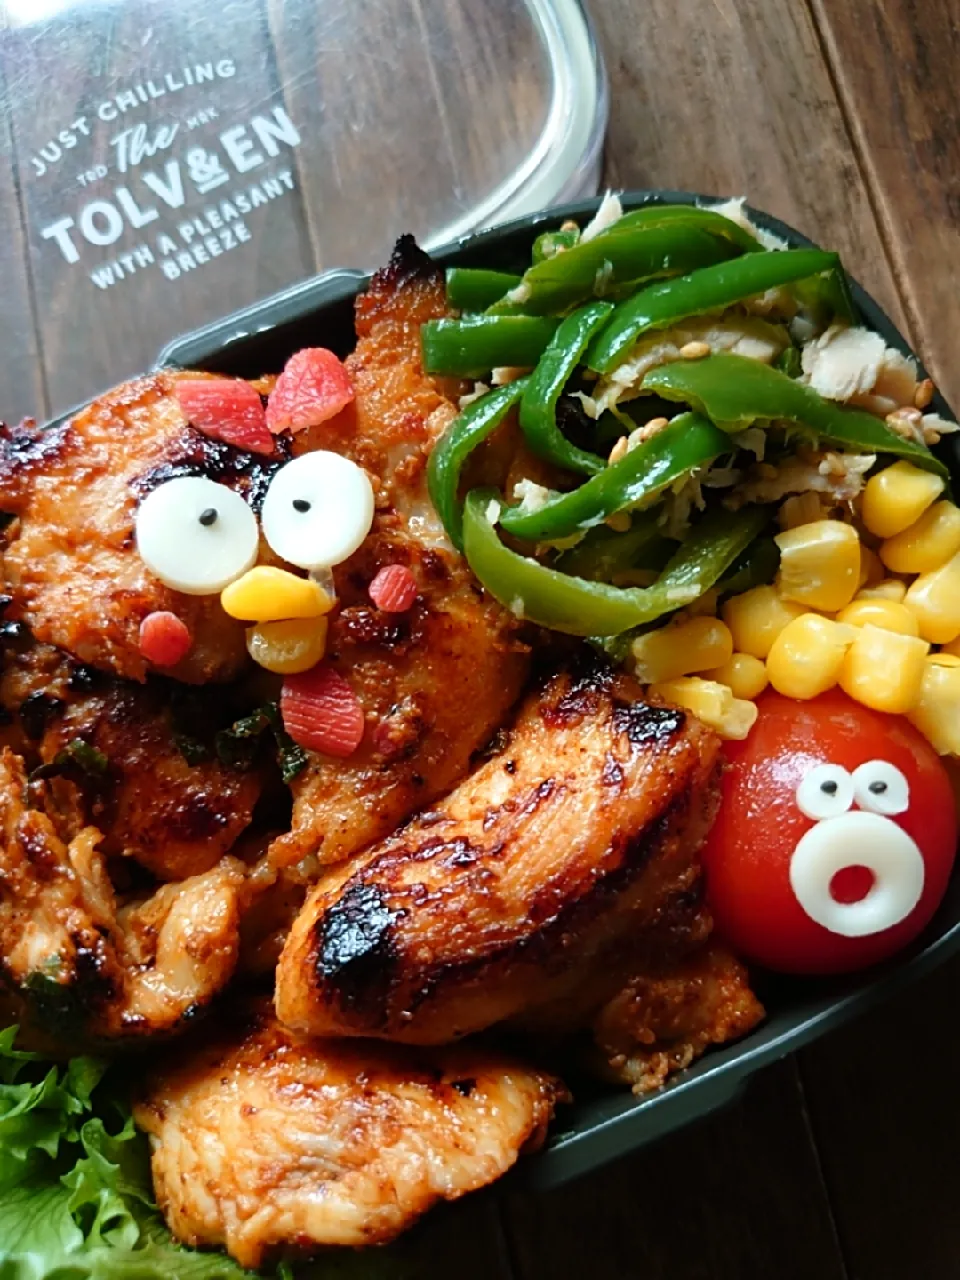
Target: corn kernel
<point x="935" y="599"/>
<point x="888" y="614"/>
<point x="268" y="594"/>
<point x="953" y="648"/>
<point x="710" y="702"/>
<point x="807" y="655"/>
<point x="927" y="544"/>
<point x="897" y="496"/>
<point x="942" y="659"/>
<point x="756" y="618"/>
<point x="819" y="564"/>
<point x="744" y="675"/>
<point x="936" y="712"/>
<point x="888" y="589"/>
<point x="680" y="649"/>
<point x="871" y="567"/>
<point x="884" y="670"/>
<point x="290" y="646"/>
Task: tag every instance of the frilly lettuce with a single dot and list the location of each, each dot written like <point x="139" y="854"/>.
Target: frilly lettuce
<point x="75" y="1192"/>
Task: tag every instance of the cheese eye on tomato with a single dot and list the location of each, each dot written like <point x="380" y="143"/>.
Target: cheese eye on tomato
<point x="835" y="838"/>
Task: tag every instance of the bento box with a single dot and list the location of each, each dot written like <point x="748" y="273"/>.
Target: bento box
<point x="603" y="1123"/>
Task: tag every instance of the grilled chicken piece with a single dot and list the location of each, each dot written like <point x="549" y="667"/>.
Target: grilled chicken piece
<point x="664" y="1019"/>
<point x="88" y="966"/>
<point x="523" y="885"/>
<point x="70" y="560"/>
<point x="261" y="1141"/>
<point x="437" y="681"/>
<point x="174" y="818"/>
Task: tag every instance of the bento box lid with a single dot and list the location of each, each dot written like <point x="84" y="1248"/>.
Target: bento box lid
<point x="174" y="162"/>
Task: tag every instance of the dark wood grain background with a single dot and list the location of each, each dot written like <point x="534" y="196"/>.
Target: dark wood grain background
<point x="841" y="117"/>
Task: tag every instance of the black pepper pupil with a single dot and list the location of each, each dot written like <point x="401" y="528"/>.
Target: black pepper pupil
<point x="301" y="504"/>
<point x="878" y="788"/>
<point x="208" y="517"/>
<point x="830" y="788"/>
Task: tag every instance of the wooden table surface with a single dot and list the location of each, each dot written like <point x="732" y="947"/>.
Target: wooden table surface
<point x="842" y="118"/>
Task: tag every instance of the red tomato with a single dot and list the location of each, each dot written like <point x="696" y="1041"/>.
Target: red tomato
<point x="840" y="886"/>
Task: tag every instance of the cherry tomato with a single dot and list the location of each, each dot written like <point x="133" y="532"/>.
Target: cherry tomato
<point x="835" y="838"/>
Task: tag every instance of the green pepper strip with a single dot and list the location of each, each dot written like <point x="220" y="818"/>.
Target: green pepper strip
<point x="709" y="289"/>
<point x="474" y="289"/>
<point x="538" y="408"/>
<point x="735" y="391"/>
<point x="471" y="347"/>
<point x="551" y="243"/>
<point x="692" y="216"/>
<point x="603" y="553"/>
<point x="582" y="608"/>
<point x="613" y="257"/>
<point x="472" y="427"/>
<point x="688" y="442"/>
<point x="757" y="567"/>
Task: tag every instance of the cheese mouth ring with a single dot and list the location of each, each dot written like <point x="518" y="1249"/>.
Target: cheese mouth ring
<point x="862" y="840"/>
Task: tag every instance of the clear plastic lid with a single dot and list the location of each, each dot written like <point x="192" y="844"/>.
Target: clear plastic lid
<point x="173" y="162"/>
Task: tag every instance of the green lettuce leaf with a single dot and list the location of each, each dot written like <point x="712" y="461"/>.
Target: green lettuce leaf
<point x="76" y="1201"/>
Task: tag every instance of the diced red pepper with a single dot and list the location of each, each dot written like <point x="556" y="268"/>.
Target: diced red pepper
<point x="227" y="409"/>
<point x="394" y="589"/>
<point x="165" y="639"/>
<point x="321" y="712"/>
<point x="313" y="387"/>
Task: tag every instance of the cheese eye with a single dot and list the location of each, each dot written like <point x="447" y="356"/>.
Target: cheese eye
<point x="196" y="536"/>
<point x="825" y="792"/>
<point x="317" y="510"/>
<point x="880" y="787"/>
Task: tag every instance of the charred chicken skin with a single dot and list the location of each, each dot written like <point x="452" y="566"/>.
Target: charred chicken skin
<point x="436" y="681"/>
<point x="262" y="1140"/>
<point x="521" y="886"/>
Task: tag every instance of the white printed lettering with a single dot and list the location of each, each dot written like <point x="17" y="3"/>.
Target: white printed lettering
<point x="106" y="234"/>
<point x="59" y="231"/>
<point x="136" y="216"/>
<point x="240" y="149"/>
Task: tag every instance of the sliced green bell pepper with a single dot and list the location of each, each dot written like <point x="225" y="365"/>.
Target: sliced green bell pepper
<point x="709" y="289"/>
<point x="478" y="421"/>
<point x="689" y="441"/>
<point x="472" y="346"/>
<point x="538" y="408"/>
<point x="691" y="215"/>
<point x="475" y="289"/>
<point x="603" y="553"/>
<point x="550" y="243"/>
<point x="734" y="391"/>
<point x="595" y="266"/>
<point x="583" y="608"/>
<point x="757" y="567"/>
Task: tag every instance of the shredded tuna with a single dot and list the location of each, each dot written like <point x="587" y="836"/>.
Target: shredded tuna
<point x="531" y="496"/>
<point x="479" y="389"/>
<point x="609" y="212"/>
<point x="839" y="475"/>
<point x="843" y="362"/>
<point x="743" y="335"/>
<point x="733" y="209"/>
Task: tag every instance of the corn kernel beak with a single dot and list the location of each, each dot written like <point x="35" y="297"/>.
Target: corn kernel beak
<point x="267" y="594"/>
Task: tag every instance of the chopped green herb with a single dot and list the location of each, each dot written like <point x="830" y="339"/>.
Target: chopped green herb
<point x="237" y="746"/>
<point x="76" y="756"/>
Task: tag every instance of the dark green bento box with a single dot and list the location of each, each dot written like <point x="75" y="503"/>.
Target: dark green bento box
<point x="607" y="1123"/>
